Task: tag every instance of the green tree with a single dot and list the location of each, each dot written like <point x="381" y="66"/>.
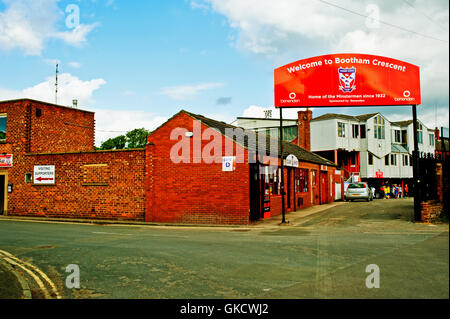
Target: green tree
<point x="116" y="143"/>
<point x="137" y="138"/>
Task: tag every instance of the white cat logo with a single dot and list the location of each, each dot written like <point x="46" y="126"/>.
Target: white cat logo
<point x="347" y="79"/>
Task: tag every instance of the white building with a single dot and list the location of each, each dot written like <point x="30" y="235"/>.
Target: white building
<point x="370" y="145"/>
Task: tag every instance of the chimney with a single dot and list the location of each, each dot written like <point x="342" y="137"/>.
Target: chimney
<point x="304" y="129"/>
<point x="436" y="134"/>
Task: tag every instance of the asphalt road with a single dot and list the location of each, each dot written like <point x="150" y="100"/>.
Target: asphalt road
<point x="320" y="256"/>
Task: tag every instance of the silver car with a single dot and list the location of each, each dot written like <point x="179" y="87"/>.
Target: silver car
<point x="358" y="191"/>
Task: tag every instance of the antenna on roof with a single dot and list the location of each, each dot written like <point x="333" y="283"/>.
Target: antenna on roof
<point x="56" y="85"/>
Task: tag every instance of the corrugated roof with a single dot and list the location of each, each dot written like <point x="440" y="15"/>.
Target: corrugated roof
<point x="250" y="141"/>
<point x="397" y="148"/>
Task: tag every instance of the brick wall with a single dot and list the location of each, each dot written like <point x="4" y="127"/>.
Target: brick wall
<point x="94" y="185"/>
<point x="431" y="210"/>
<point x="39" y="127"/>
<point x="193" y="192"/>
<point x="304" y="129"/>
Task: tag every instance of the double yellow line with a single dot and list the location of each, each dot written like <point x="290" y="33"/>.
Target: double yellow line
<point x="38" y="276"/>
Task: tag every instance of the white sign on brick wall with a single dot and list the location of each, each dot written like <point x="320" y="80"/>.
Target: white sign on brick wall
<point x="228" y="163"/>
<point x="44" y="175"/>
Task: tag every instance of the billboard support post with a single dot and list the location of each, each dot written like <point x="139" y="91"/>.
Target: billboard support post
<point x="415" y="157"/>
<point x="283" y="212"/>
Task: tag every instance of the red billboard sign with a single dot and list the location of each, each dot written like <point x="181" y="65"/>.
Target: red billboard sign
<point x="6" y="160"/>
<point x="347" y="80"/>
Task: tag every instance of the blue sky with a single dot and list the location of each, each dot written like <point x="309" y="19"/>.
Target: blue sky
<point x="136" y="63"/>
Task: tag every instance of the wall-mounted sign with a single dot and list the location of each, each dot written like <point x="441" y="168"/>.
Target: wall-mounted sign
<point x="228" y="163"/>
<point x="379" y="174"/>
<point x="6" y="160"/>
<point x="347" y="80"/>
<point x="44" y="175"/>
<point x="291" y="160"/>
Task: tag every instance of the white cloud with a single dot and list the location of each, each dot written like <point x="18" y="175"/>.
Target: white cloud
<point x="75" y="65"/>
<point x="184" y="92"/>
<point x="69" y="88"/>
<point x="112" y="123"/>
<point x="27" y="24"/>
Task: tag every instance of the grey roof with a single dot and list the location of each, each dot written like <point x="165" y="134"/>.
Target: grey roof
<point x="358" y="118"/>
<point x="403" y="123"/>
<point x="250" y="141"/>
<point x="397" y="148"/>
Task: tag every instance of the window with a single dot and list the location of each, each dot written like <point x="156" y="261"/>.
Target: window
<point x="268" y="176"/>
<point x="341" y="129"/>
<point x="355" y="130"/>
<point x="419" y="133"/>
<point x="363" y="130"/>
<point x="370" y="159"/>
<point x="301" y="180"/>
<point x="378" y="129"/>
<point x="393" y="159"/>
<point x="404" y="136"/>
<point x="28" y="178"/>
<point x="397" y="136"/>
<point x="410" y="161"/>
<point x="386" y="160"/>
<point x="431" y="139"/>
<point x="275" y="181"/>
<point x="2" y="127"/>
<point x="313" y="178"/>
<point x="405" y="160"/>
<point x="290" y="133"/>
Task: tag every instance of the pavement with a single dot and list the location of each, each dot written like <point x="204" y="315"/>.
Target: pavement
<point x="12" y="283"/>
<point x="292" y="218"/>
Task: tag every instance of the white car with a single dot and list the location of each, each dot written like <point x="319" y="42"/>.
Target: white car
<point x="358" y="191"/>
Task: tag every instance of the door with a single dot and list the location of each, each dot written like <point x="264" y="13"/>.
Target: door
<point x="288" y="187"/>
<point x="337" y="187"/>
<point x="323" y="188"/>
<point x="3" y="194"/>
<point x="255" y="193"/>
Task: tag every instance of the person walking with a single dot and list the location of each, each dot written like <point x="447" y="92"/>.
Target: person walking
<point x="406" y="190"/>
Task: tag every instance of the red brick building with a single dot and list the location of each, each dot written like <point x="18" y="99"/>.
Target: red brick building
<point x="87" y="183"/>
<point x="193" y="191"/>
<point x="55" y="171"/>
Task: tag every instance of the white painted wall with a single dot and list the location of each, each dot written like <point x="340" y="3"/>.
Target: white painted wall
<point x="323" y="135"/>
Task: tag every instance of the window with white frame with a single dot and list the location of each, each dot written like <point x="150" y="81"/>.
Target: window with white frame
<point x="419" y="133"/>
<point x="397" y="136"/>
<point x="341" y="129"/>
<point x="355" y="130"/>
<point x="431" y="139"/>
<point x="405" y="160"/>
<point x="394" y="159"/>
<point x="379" y="126"/>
